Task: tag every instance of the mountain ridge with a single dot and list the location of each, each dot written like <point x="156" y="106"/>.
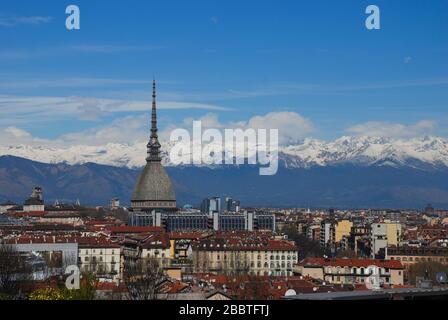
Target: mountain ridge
<point x="341" y="186"/>
<point x="419" y="153"/>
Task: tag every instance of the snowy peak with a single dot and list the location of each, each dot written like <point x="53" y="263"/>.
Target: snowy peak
<point x="426" y="152"/>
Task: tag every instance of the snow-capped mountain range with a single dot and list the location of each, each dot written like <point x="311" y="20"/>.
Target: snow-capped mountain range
<point x="366" y="151"/>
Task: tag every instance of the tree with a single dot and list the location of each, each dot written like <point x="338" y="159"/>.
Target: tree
<point x="85" y="292"/>
<point x="142" y="278"/>
<point x="14" y="271"/>
<point x="47" y="294"/>
<point x="346" y="254"/>
<point x="255" y="288"/>
<point x="430" y="268"/>
<point x="307" y="247"/>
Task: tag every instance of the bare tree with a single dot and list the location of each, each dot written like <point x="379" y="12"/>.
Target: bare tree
<point x="255" y="288"/>
<point x="425" y="269"/>
<point x="143" y="278"/>
<point x="14" y="271"/>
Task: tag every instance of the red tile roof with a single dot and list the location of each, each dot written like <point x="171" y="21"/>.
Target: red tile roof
<point x="96" y="242"/>
<point x="250" y="243"/>
<point x="129" y="229"/>
<point x="195" y="235"/>
<point x="391" y="264"/>
<point x="33" y="214"/>
<point x="156" y="241"/>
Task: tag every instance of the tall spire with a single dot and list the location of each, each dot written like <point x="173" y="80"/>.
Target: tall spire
<point x="153" y="144"/>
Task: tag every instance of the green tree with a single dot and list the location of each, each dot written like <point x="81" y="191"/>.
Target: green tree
<point x="85" y="292"/>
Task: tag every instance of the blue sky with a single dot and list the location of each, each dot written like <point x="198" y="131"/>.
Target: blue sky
<point x="228" y="61"/>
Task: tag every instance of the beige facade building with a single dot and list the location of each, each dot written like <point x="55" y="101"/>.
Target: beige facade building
<point x="273" y="257"/>
<point x="394" y="233"/>
<point x="99" y="256"/>
<point x="351" y="271"/>
<point x="409" y="256"/>
<point x="342" y="229"/>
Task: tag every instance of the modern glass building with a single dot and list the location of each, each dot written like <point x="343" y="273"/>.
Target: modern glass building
<point x="197" y="221"/>
<point x="185" y="222"/>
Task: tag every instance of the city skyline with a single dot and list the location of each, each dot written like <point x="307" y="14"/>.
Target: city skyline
<point x="249" y="153"/>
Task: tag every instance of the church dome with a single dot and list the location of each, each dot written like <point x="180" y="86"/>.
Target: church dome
<point x="153" y="184"/>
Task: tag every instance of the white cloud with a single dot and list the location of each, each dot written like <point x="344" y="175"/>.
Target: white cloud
<point x="11" y="21"/>
<point x="210" y="120"/>
<point x="22" y="110"/>
<point x="125" y="130"/>
<point x="291" y="125"/>
<point x="108" y="48"/>
<point x="13" y="135"/>
<point x="131" y="129"/>
<point x="69" y="50"/>
<point x="17" y="133"/>
<point x="73" y="82"/>
<point x="393" y="130"/>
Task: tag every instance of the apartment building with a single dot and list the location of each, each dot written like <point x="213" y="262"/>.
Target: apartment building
<point x="256" y="255"/>
<point x="351" y="271"/>
<point x="100" y="256"/>
<point x="409" y="256"/>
